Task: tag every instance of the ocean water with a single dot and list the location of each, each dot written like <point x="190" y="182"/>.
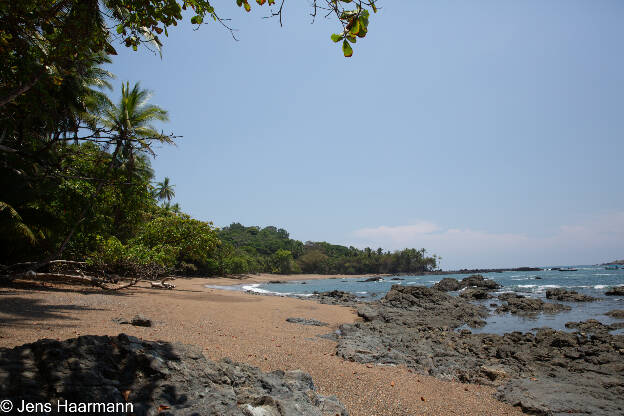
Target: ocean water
<point x="590" y="280"/>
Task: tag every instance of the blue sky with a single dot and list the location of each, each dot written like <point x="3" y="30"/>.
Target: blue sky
<point x="488" y="132"/>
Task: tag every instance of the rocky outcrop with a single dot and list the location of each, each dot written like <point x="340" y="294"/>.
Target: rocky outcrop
<point x="434" y="308"/>
<point x="549" y="372"/>
<point x="565" y="295"/>
<point x="615" y="291"/>
<point x="336" y="297"/>
<point x="476" y="281"/>
<point x="522" y="305"/>
<point x="447" y="284"/>
<point x="592" y="326"/>
<point x="475" y="294"/>
<point x="157" y="378"/>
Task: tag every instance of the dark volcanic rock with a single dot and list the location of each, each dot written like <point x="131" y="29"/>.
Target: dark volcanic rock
<point x="549" y="372"/>
<point x="367" y="313"/>
<point x="372" y="279"/>
<point x="616" y="313"/>
<point x="140" y="320"/>
<point x="592" y="326"/>
<point x="304" y="321"/>
<point x="615" y="291"/>
<point x="156" y="377"/>
<point x="521" y="305"/>
<point x="336" y="297"/>
<point x="447" y="284"/>
<point x="434" y="308"/>
<point x="477" y="294"/>
<point x="476" y="280"/>
<point x="565" y="295"/>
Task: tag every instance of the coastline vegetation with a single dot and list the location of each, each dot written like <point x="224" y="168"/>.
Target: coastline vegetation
<point x="79" y="197"/>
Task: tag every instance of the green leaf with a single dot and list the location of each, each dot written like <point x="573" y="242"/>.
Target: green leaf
<point x="197" y="20"/>
<point x="336" y="37"/>
<point x="355" y="28"/>
<point x="346" y="49"/>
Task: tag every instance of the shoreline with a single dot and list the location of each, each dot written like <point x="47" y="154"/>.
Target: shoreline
<point x="246" y="328"/>
<point x="268" y="277"/>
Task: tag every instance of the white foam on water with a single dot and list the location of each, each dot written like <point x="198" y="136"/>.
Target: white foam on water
<point x="303" y="295"/>
<point x="602" y="274"/>
<point x="600" y="286"/>
<point x="256" y="289"/>
<point x="544" y="287"/>
<point x="412" y="283"/>
<point x="361" y="293"/>
<point x="527" y="285"/>
<point x="219" y="287"/>
<point x="522" y="278"/>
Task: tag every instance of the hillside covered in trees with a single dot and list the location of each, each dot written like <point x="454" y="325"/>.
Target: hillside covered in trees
<point x="270" y="249"/>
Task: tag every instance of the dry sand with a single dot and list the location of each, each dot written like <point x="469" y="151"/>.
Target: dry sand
<point x="247" y="328"/>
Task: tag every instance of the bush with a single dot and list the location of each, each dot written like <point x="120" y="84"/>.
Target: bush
<point x="193" y="240"/>
<point x="135" y="260"/>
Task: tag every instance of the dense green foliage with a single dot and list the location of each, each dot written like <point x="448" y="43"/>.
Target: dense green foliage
<point x="272" y="250"/>
<point x="75" y="166"/>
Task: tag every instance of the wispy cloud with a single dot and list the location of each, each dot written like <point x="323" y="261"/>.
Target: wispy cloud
<point x="597" y="239"/>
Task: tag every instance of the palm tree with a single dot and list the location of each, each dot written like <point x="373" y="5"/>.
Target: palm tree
<point x="164" y="190"/>
<point x="132" y="134"/>
<point x="12" y="225"/>
<point x="130" y="123"/>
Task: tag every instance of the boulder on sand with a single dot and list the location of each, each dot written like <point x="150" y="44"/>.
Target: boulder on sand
<point x="155" y="377"/>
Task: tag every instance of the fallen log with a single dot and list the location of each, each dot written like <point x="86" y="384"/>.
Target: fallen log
<point x="68" y="278"/>
<point x="163" y="284"/>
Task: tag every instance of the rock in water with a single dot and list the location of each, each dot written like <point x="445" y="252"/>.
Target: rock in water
<point x="447" y="284"/>
<point x="616" y="313"/>
<point x="477" y="294"/>
<point x="156" y="377"/>
<point x="476" y="280"/>
<point x="521" y="305"/>
<point x="615" y="291"/>
<point x="565" y="295"/>
<point x="336" y="297"/>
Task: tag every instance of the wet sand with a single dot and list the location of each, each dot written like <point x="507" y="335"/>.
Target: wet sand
<point x="247" y="328"/>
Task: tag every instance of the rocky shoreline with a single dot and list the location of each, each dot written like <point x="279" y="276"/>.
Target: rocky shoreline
<point x="548" y="372"/>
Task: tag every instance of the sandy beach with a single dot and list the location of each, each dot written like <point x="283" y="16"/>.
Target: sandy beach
<point x="246" y="328"/>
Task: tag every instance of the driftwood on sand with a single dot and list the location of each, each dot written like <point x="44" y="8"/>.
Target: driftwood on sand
<point x="70" y="272"/>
